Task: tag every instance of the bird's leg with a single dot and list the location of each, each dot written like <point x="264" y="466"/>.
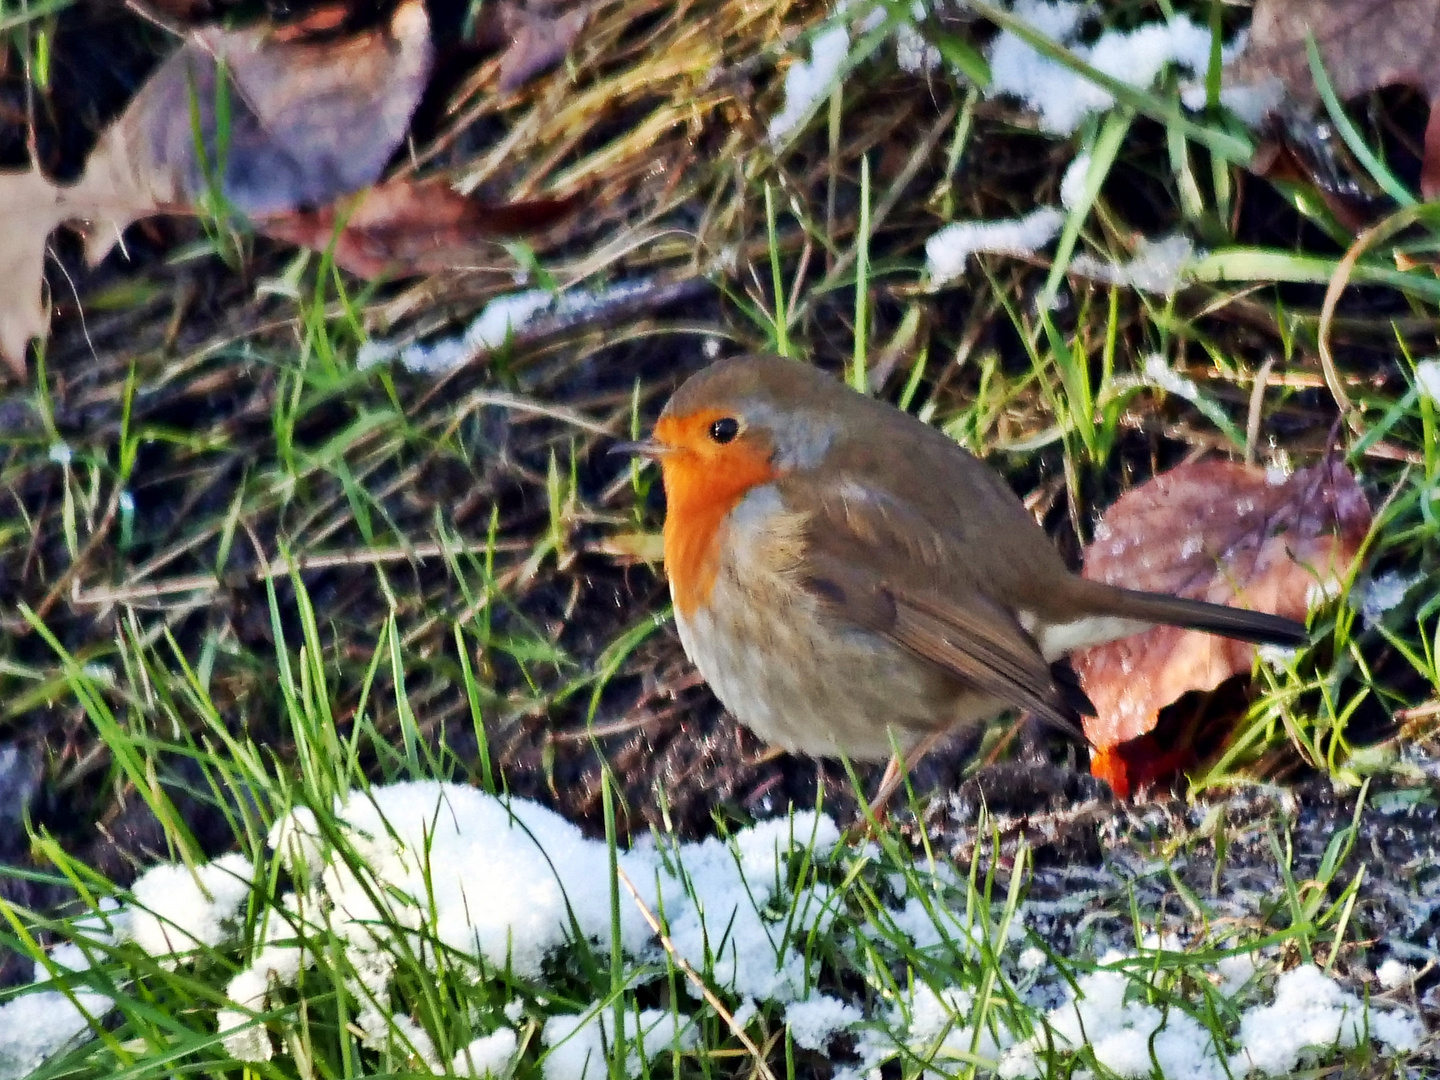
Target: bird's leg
<point x="889" y="781"/>
<point x="899" y="767"/>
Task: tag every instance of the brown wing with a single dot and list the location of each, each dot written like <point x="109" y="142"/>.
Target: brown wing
<point x="874" y="565"/>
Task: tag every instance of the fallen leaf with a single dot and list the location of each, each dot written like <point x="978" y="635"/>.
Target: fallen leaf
<point x="1404" y="260"/>
<point x="1217" y="531"/>
<point x="303" y="123"/>
<point x="32" y="205"/>
<point x="1365" y="45"/>
<point x="409" y="226"/>
<point x="1130" y="766"/>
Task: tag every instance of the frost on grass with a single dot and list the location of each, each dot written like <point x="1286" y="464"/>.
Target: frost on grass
<point x="509" y="910"/>
<point x="949" y="250"/>
<point x="1159" y="266"/>
<point x="807" y="82"/>
<point x="1158" y="373"/>
<point x="500" y="319"/>
<point x="1385" y="593"/>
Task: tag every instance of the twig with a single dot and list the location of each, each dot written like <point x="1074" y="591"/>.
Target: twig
<point x="58" y="589"/>
<point x="280" y="568"/>
<point x="1418" y="712"/>
<point x="1376" y="234"/>
<point x="1257" y="399"/>
<point x="500" y="399"/>
<point x="694" y="976"/>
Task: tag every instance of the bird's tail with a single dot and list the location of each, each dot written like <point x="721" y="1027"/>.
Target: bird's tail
<point x="1231" y="622"/>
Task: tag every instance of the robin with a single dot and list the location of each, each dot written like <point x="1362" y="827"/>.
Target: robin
<point x="850" y="581"/>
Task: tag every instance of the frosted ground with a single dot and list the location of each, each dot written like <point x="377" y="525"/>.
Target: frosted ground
<point x="858" y="961"/>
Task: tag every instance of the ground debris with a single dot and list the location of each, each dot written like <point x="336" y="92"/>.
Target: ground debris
<point x="1364" y="44"/>
<point x="1217" y="860"/>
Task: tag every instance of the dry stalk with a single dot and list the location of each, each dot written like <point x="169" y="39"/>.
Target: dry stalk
<point x="694" y="976"/>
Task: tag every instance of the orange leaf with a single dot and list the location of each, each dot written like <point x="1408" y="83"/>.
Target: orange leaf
<point x="1222" y="532"/>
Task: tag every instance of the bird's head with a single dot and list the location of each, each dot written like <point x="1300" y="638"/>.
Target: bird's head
<point x="738" y="424"/>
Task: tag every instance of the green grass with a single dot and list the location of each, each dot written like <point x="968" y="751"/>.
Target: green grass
<point x="261" y="578"/>
<point x="944" y="963"/>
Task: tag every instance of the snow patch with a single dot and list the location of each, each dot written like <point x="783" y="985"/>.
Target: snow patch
<point x="498" y="321"/>
<point x="179" y="908"/>
<point x="814" y="1021"/>
<point x="1427" y="378"/>
<point x="1158" y="266"/>
<point x="949" y="250"/>
<point x="1122" y="1034"/>
<point x="512" y="885"/>
<point x="1235" y="972"/>
<point x="1384" y="593"/>
<point x="1393" y="974"/>
<point x="489" y="1055"/>
<point x="581" y="1046"/>
<point x="1062" y="98"/>
<point x="1072" y="184"/>
<point x="44" y="1021"/>
<point x="807" y="82"/>
<point x="1312" y="1013"/>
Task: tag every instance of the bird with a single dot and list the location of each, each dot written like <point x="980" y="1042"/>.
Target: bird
<point x="851" y="582"/>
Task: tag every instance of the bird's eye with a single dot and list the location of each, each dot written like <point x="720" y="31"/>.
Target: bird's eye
<point x="725" y="429"/>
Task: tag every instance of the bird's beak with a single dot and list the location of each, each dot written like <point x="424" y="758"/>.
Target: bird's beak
<point x="650" y="449"/>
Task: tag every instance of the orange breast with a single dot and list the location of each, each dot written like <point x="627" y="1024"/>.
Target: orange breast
<point x="701" y="489"/>
<point x="692" y="556"/>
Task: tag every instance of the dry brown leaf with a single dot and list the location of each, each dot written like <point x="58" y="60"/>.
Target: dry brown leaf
<point x="1217" y="531"/>
<point x="307" y="122"/>
<point x="31" y="204"/>
<point x="411" y="227"/>
<point x="1365" y="45"/>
